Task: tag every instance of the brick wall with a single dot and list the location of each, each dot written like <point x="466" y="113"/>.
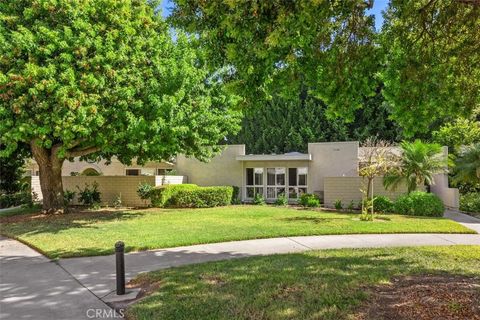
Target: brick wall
<point x="347" y="189"/>
<point x="111" y="187"/>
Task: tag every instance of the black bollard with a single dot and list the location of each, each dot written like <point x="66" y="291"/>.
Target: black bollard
<point x="120" y="263"/>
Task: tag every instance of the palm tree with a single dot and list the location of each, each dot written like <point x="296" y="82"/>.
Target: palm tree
<point x="417" y="165"/>
<point x="467" y="165"/>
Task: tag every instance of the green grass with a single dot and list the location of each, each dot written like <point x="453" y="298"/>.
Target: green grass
<point x="313" y="285"/>
<point x="95" y="233"/>
<point x="18" y="211"/>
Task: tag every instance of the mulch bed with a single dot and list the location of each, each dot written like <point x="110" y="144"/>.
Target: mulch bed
<point x="424" y="297"/>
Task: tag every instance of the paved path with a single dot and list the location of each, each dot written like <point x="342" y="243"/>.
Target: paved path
<point x="98" y="273"/>
<point x="33" y="287"/>
<point x="468" y="221"/>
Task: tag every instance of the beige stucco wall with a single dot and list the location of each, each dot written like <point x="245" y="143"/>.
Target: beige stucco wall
<point x="331" y="159"/>
<point x="111" y="186"/>
<point x="449" y="196"/>
<point x="115" y="168"/>
<point x="222" y="169"/>
<point x="347" y="189"/>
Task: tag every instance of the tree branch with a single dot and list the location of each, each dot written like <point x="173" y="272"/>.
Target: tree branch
<point x="78" y="152"/>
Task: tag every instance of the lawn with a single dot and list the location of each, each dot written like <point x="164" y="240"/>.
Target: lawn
<point x="95" y="232"/>
<point x="330" y="284"/>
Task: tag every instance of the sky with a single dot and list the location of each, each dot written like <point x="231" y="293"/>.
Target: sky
<point x="378" y="6"/>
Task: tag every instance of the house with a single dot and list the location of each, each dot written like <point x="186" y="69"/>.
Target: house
<point x="328" y="169"/>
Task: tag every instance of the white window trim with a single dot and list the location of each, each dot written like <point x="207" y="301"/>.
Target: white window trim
<point x="276" y="186"/>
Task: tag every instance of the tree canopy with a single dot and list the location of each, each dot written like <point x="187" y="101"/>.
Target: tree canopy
<point x="100" y="79"/>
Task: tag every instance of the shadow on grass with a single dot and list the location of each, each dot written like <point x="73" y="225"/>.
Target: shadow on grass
<point x="37" y="224"/>
<point x="300" y="286"/>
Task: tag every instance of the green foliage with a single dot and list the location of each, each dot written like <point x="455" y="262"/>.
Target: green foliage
<point x="287" y="47"/>
<point x="12" y="169"/>
<point x="161" y="196"/>
<point x="259" y="200"/>
<point x="235" y="195"/>
<point x="89" y="196"/>
<point x="470" y="202"/>
<point x="338" y="204"/>
<point x="15" y="199"/>
<point x="202" y="197"/>
<point x="417" y="166"/>
<point x="462" y="132"/>
<point x="419" y="203"/>
<point x="68" y="197"/>
<point x="429" y="76"/>
<point x="144" y="190"/>
<point x="382" y="204"/>
<point x="351" y="206"/>
<point x="117" y="203"/>
<point x="282" y="200"/>
<point x="467" y="165"/>
<point x="309" y="200"/>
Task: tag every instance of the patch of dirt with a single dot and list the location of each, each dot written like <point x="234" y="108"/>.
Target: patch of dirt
<point x="424" y="297"/>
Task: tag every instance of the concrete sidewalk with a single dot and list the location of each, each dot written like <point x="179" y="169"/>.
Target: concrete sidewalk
<point x="33" y="287"/>
<point x="98" y="273"/>
<point x="464" y="219"/>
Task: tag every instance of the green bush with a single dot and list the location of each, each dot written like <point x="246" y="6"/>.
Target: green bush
<point x="419" y="203"/>
<point x="470" y="202"/>
<point x="15" y="199"/>
<point x="281" y="200"/>
<point x="258" y="200"/>
<point x="236" y="195"/>
<point x="382" y="204"/>
<point x="202" y="197"/>
<point x="68" y="197"/>
<point x="89" y="196"/>
<point x="309" y="200"/>
<point x="191" y="196"/>
<point x="338" y="205"/>
<point x="161" y="196"/>
<point x="144" y="189"/>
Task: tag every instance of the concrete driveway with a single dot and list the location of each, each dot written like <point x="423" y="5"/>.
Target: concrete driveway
<point x="33" y="287"/>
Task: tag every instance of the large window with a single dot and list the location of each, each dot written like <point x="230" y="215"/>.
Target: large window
<point x="275" y="182"/>
<point x="254" y="182"/>
<point x="297" y="182"/>
<point x="132" y="172"/>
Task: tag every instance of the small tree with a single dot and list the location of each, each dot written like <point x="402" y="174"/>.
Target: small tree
<point x="376" y="159"/>
<point x="417" y="165"/>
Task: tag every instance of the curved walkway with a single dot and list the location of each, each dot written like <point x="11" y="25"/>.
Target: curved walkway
<point x="34" y="287"/>
<point x="98" y="273"/>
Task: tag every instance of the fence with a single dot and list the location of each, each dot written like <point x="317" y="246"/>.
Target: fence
<point x="111" y="187"/>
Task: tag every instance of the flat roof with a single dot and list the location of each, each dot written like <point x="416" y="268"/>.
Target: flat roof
<point x="275" y="157"/>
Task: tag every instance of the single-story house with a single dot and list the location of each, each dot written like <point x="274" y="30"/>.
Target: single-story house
<point x="328" y="169"/>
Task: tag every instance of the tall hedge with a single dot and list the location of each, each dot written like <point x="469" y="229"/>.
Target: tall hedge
<point x="419" y="203"/>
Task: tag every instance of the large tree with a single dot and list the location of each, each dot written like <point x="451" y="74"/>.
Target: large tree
<point x="286" y="47"/>
<point x="432" y="61"/>
<point x="103" y="78"/>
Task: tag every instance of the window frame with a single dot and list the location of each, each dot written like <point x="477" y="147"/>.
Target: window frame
<point x="133" y="175"/>
<point x="254" y="185"/>
<point x="276" y="187"/>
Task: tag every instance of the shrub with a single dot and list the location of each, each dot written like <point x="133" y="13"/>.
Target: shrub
<point x="90" y="195"/>
<point x="161" y="196"/>
<point x="68" y="197"/>
<point x="202" y="197"/>
<point x="338" y="205"/>
<point x="419" y="203"/>
<point x="351" y="206"/>
<point x="117" y="203"/>
<point x="15" y="199"/>
<point x="281" y="200"/>
<point x="470" y="202"/>
<point x="235" y="195"/>
<point x="258" y="200"/>
<point x="382" y="204"/>
<point x="309" y="200"/>
<point x="144" y="189"/>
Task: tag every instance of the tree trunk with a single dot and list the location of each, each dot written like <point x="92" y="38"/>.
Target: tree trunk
<point x="50" y="167"/>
